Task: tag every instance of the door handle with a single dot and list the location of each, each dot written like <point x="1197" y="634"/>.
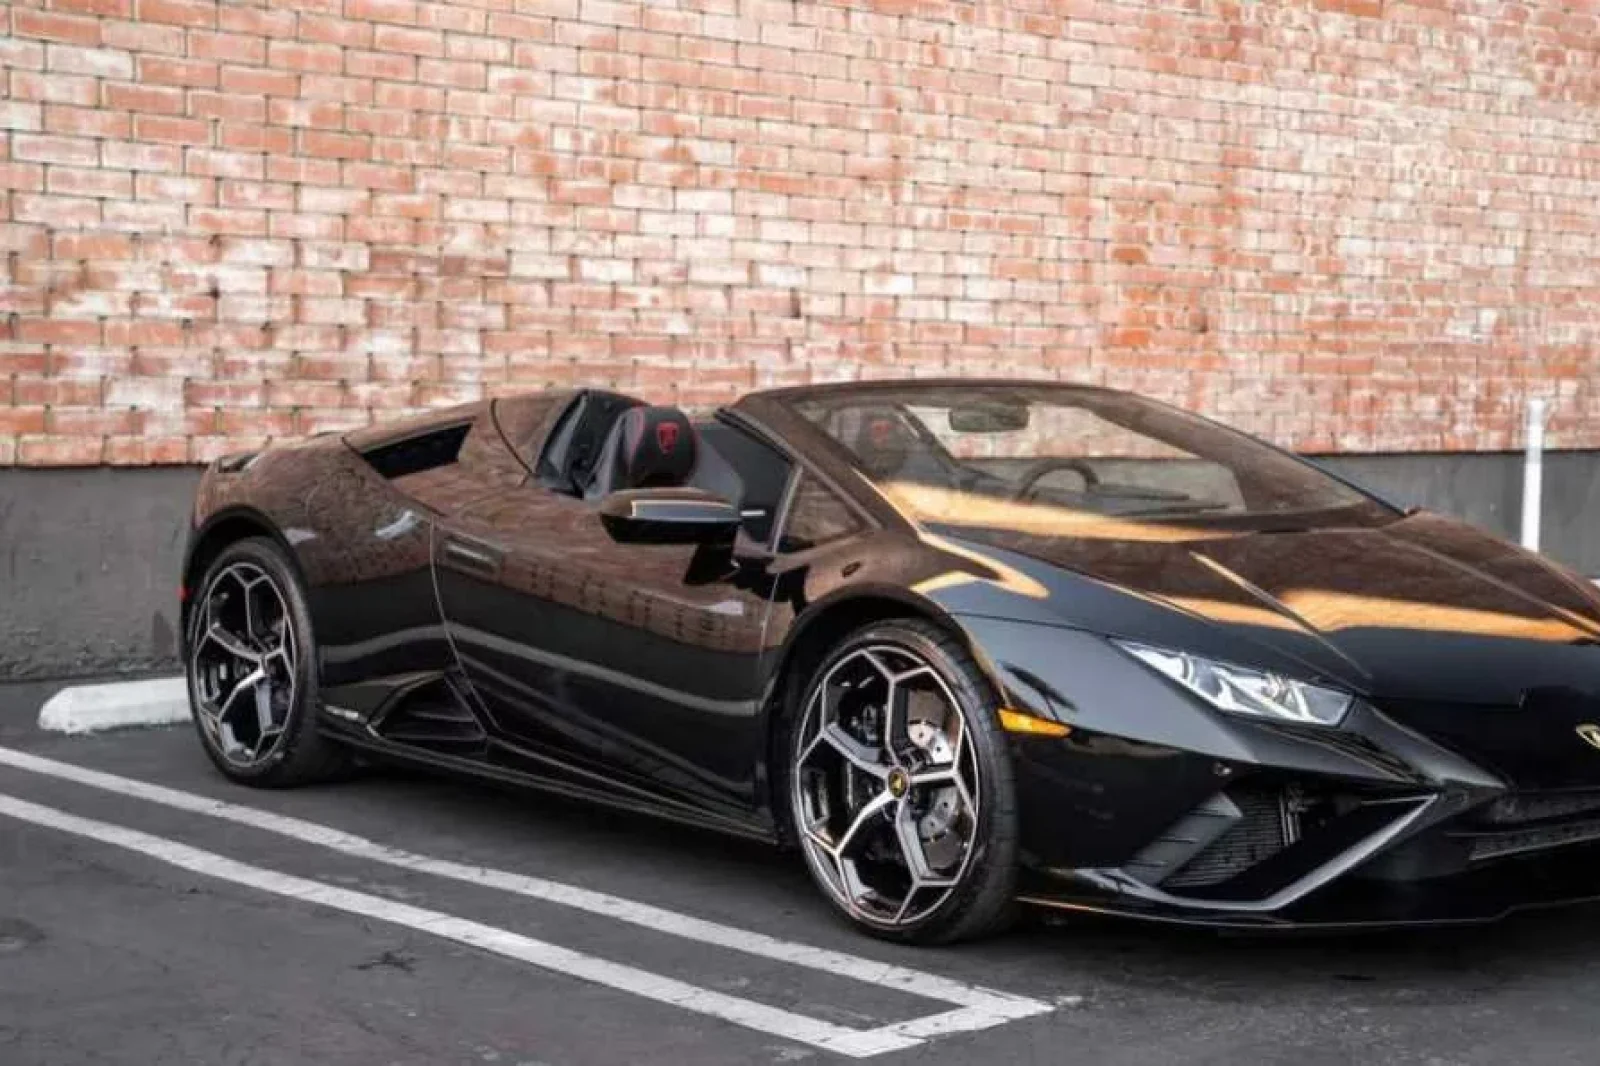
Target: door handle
<point x="473" y="555"/>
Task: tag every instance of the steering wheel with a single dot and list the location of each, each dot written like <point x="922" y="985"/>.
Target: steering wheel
<point x="1044" y="467"/>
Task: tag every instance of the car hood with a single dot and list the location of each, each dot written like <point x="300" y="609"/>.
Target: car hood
<point x="1418" y="609"/>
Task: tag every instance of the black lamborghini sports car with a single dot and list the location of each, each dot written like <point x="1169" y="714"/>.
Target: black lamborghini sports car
<point x="962" y="644"/>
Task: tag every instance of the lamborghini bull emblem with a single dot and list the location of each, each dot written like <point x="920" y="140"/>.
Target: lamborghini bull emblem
<point x="1589" y="733"/>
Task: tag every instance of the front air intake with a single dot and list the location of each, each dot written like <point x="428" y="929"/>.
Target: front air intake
<point x="1267" y="823"/>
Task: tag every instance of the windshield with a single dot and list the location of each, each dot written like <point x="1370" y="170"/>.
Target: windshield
<point x="1061" y="460"/>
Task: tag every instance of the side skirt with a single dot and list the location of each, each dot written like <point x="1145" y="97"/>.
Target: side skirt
<point x="387" y="751"/>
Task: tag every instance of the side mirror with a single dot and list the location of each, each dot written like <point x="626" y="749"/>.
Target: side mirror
<point x="669" y="516"/>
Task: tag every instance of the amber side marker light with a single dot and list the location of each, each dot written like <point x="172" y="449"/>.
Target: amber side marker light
<point x="1018" y="722"/>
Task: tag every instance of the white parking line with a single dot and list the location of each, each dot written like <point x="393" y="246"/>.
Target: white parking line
<point x="752" y="1015"/>
<point x="975" y="1007"/>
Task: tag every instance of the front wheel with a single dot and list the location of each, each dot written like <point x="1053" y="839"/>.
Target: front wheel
<point x="901" y="788"/>
<point x="251" y="665"/>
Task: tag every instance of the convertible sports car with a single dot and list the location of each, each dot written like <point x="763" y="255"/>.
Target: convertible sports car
<point x="961" y="644"/>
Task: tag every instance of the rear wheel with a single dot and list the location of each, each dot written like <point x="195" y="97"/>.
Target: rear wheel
<point x="251" y="671"/>
<point x="901" y="789"/>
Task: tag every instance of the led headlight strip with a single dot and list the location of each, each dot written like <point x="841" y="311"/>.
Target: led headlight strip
<point x="1242" y="690"/>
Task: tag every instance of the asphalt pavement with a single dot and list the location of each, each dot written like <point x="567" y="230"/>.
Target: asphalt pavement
<point x="150" y="913"/>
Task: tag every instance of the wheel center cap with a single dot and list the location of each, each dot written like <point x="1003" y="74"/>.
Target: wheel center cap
<point x="898" y="783"/>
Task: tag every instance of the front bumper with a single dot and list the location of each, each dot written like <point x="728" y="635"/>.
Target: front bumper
<point x="1564" y="877"/>
<point x="1159" y="808"/>
<point x="1269" y="846"/>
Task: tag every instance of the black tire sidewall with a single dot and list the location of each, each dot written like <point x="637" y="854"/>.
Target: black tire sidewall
<point x="991" y="871"/>
<point x="300" y="725"/>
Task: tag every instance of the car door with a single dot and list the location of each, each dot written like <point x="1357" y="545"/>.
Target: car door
<point x="365" y="540"/>
<point x="623" y="666"/>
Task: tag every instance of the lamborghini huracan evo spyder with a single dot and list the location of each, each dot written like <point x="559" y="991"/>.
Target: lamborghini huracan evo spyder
<point x="960" y="643"/>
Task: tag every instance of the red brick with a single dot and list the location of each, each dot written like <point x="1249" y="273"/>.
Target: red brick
<point x="59" y="212"/>
<point x="82" y="121"/>
<point x="94" y="422"/>
<point x="190" y="73"/>
<point x="312" y="58"/>
<point x="237" y="79"/>
<point x="229" y="107"/>
<point x="146" y="451"/>
<point x="305" y="394"/>
<point x="107" y="8"/>
<point x="53" y="26"/>
<point x="245" y="137"/>
<point x="256" y="21"/>
<point x="59" y="451"/>
<point x="55" y="88"/>
<point x="83" y="181"/>
<point x="151" y="98"/>
<point x="322" y="145"/>
<point x="1362" y="8"/>
<point x="231" y="48"/>
<point x="177" y="12"/>
<point x="17" y="54"/>
<point x="240" y="422"/>
<point x="324" y="30"/>
<point x="162" y="129"/>
<point x="37" y="148"/>
<point x="400" y="12"/>
<point x="21" y="420"/>
<point x="55" y="392"/>
<point x="337" y="87"/>
<point x="408" y="41"/>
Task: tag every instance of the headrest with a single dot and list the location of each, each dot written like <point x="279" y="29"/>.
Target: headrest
<point x="882" y="439"/>
<point x="649" y="447"/>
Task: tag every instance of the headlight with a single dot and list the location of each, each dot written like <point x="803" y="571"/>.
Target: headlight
<point x="1241" y="690"/>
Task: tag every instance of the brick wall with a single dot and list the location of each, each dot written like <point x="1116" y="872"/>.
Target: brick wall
<point x="1347" y="224"/>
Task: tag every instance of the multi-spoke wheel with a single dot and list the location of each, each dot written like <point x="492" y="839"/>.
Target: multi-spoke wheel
<point x="250" y="680"/>
<point x="243" y="663"/>
<point x="899" y="789"/>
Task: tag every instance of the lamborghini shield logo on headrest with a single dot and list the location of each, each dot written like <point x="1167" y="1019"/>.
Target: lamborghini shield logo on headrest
<point x="667" y="436"/>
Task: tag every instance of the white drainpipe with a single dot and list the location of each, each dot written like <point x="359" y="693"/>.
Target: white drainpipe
<point x="1533" y="475"/>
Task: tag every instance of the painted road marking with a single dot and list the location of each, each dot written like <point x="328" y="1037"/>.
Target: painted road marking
<point x="118" y="705"/>
<point x="771" y="1020"/>
<point x="975" y="1007"/>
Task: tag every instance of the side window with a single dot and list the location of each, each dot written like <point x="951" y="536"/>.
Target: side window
<point x="816" y="516"/>
<point x="740" y="468"/>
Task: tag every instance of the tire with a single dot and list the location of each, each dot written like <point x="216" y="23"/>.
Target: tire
<point x="251" y="598"/>
<point x="852" y="810"/>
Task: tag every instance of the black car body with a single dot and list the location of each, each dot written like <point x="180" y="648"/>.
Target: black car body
<point x="480" y="607"/>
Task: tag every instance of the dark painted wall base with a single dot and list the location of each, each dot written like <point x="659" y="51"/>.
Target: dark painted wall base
<point x="1486" y="490"/>
<point x="89" y="580"/>
<point x="89" y="583"/>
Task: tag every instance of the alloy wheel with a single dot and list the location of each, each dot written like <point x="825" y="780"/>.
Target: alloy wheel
<point x="242" y="664"/>
<point x="885" y="786"/>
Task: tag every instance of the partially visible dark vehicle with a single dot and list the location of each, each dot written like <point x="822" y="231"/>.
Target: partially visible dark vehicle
<point x="960" y="643"/>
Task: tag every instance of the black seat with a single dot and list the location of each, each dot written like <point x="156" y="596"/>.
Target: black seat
<point x="568" y="460"/>
<point x="648" y="447"/>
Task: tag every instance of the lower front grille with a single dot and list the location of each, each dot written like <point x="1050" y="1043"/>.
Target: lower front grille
<point x="1521" y="822"/>
<point x="1261" y="831"/>
<point x="1519" y="808"/>
<point x="1520" y="841"/>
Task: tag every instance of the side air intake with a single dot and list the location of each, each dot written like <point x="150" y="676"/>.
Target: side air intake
<point x="435" y="717"/>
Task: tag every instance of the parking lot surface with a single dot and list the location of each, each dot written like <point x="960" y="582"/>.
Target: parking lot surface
<point x="152" y="913"/>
